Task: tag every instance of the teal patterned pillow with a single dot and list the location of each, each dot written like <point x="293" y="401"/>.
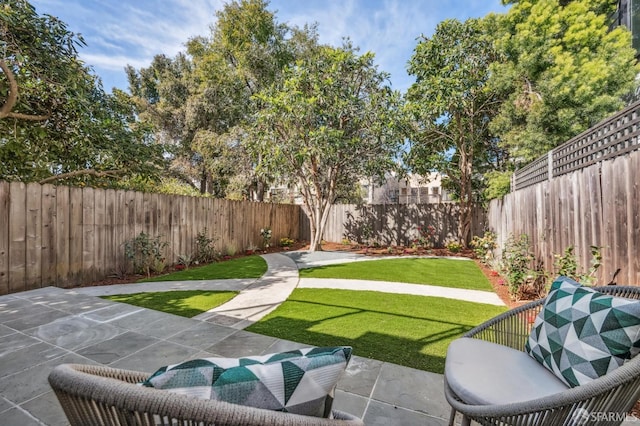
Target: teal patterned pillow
<point x="582" y="334"/>
<point x="300" y="382"/>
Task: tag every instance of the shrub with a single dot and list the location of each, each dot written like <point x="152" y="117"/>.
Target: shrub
<point x="483" y="246"/>
<point x="517" y="261"/>
<point x="567" y="265"/>
<point x="286" y="242"/>
<point x="426" y="237"/>
<point x="454" y="246"/>
<point x="185" y="260"/>
<point x="145" y="253"/>
<point x="265" y="233"/>
<point x="231" y="249"/>
<point x="205" y="250"/>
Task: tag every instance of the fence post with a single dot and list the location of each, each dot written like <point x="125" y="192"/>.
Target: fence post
<point x="550" y="165"/>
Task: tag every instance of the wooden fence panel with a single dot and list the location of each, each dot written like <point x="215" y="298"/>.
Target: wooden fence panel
<point x="17" y="238"/>
<point x="633" y="210"/>
<point x="594" y="206"/>
<point x="48" y="235"/>
<point x="65" y="212"/>
<point x="33" y="234"/>
<point x="5" y="196"/>
<point x="110" y="255"/>
<point x="392" y="224"/>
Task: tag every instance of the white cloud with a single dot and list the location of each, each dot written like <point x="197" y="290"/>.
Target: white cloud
<point x="132" y="32"/>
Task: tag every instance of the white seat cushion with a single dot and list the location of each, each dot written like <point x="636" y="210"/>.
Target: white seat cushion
<point x="484" y="373"/>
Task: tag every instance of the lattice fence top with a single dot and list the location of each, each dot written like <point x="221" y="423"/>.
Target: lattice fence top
<point x="614" y="136"/>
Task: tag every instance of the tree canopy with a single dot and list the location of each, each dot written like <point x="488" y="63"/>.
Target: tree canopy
<point x="199" y="101"/>
<point x="56" y="122"/>
<point x="564" y="69"/>
<point x="332" y="120"/>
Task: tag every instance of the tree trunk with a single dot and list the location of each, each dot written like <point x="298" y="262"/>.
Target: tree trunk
<point x="318" y="216"/>
<point x="466" y="170"/>
<point x="260" y="190"/>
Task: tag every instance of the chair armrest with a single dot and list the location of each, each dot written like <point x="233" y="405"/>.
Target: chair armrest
<point x="614" y="393"/>
<point x="511" y="328"/>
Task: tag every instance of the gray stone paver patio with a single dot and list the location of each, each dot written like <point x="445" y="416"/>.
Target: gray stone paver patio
<point x="42" y="328"/>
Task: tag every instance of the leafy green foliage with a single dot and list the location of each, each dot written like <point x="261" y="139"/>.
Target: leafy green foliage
<point x="454" y="246"/>
<point x="145" y="253"/>
<point x="63" y="126"/>
<point x="517" y="263"/>
<point x="198" y="101"/>
<point x="332" y="120"/>
<point x="563" y="71"/>
<point x="205" y="249"/>
<point x="286" y="242"/>
<point x="498" y="184"/>
<point x="483" y="246"/>
<point x="567" y="265"/>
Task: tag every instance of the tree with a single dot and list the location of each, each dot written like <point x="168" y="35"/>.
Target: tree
<point x="200" y="100"/>
<point x="563" y="71"/>
<point x="56" y="122"/>
<point x="332" y="120"/>
<point x="452" y="106"/>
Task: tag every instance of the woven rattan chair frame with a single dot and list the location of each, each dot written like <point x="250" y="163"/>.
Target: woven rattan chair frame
<point x="604" y="401"/>
<point x="102" y="396"/>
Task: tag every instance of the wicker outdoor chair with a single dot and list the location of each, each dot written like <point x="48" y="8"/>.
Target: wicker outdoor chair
<point x="603" y="401"/>
<point x="102" y="396"/>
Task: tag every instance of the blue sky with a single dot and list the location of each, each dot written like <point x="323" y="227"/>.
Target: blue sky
<point x="132" y="32"/>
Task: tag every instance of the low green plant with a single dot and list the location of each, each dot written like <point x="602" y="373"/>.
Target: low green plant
<point x="265" y="233"/>
<point x="426" y="237"/>
<point x="567" y="265"/>
<point x="145" y="253"/>
<point x="517" y="263"/>
<point x="205" y="250"/>
<point x="454" y="246"/>
<point x="231" y="249"/>
<point x="286" y="242"/>
<point x="483" y="246"/>
<point x="185" y="260"/>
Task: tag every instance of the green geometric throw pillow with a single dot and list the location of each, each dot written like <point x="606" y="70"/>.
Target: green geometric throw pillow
<point x="581" y="334"/>
<point x="301" y="381"/>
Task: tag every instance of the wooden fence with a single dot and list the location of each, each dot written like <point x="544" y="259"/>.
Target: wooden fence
<point x="395" y="224"/>
<point x="596" y="205"/>
<point x="614" y="136"/>
<point x="64" y="236"/>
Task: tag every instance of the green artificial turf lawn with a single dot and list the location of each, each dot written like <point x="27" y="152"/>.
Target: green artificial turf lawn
<point x="413" y="331"/>
<point x="241" y="267"/>
<point x="186" y="303"/>
<point x="441" y="272"/>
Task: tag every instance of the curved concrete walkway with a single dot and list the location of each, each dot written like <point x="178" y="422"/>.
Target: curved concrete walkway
<point x="258" y="297"/>
<point x="477" y="296"/>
